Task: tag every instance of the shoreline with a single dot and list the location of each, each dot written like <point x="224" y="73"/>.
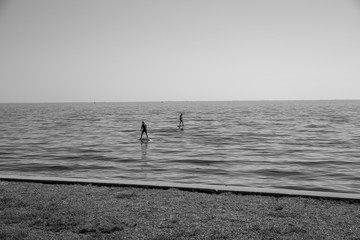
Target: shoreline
<point x="201" y="188"/>
<point x="33" y="210"/>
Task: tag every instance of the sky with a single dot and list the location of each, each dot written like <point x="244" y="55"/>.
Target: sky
<point x="179" y="50"/>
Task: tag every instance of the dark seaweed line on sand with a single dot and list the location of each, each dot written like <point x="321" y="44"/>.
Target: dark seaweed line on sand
<point x="354" y="199"/>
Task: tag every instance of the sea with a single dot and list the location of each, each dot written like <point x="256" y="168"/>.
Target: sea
<point x="287" y="145"/>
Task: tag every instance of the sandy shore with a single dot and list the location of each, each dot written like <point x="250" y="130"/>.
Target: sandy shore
<point x="52" y="211"/>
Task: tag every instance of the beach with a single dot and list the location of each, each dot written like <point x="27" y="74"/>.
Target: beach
<point x="31" y="210"/>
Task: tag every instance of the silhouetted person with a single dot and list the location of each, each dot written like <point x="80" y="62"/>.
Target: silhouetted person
<point x="181" y="120"/>
<point x="143" y="130"/>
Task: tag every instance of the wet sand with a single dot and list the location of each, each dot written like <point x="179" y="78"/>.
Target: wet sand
<point x="58" y="211"/>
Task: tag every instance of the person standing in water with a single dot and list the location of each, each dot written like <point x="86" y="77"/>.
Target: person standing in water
<point x="181" y="120"/>
<point x="143" y="130"/>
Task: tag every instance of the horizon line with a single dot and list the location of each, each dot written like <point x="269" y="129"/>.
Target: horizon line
<point x="163" y="101"/>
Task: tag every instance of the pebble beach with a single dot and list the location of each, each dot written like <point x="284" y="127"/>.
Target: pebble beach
<point x="69" y="211"/>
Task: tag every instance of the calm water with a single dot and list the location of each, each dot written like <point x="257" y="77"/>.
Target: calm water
<point x="301" y="145"/>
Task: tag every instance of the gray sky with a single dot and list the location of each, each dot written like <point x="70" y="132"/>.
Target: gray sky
<point x="150" y="50"/>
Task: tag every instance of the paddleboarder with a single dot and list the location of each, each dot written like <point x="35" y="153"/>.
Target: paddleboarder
<point x="181" y="120"/>
<point x="143" y="130"/>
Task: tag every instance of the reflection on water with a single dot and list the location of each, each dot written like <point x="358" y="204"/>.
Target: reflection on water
<point x="308" y="145"/>
<point x="144" y="146"/>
